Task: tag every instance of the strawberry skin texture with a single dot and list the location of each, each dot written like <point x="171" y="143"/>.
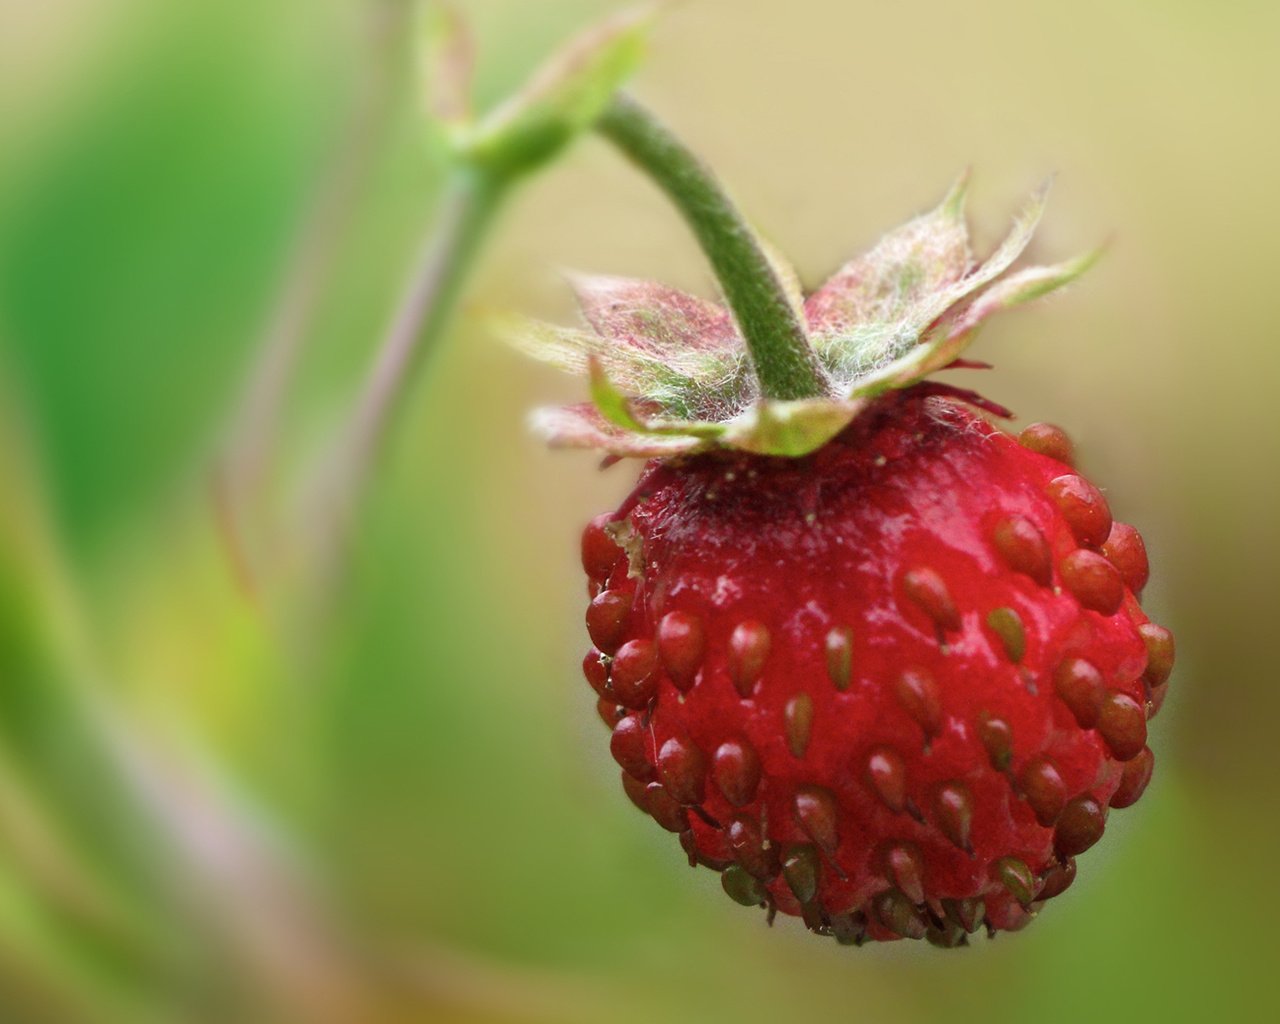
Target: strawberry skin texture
<point x="892" y="687"/>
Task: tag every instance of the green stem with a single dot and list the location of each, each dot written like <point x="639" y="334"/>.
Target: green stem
<point x="784" y="361"/>
<point x="471" y="200"/>
<point x="252" y="448"/>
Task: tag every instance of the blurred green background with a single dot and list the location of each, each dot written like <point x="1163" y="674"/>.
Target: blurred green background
<point x="213" y="809"/>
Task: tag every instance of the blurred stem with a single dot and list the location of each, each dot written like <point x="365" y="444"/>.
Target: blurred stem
<point x="252" y="448"/>
<point x="784" y="361"/>
<point x="471" y="199"/>
<point x="124" y="866"/>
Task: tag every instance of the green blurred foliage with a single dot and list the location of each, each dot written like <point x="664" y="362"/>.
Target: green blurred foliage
<point x="142" y="243"/>
<point x="428" y="761"/>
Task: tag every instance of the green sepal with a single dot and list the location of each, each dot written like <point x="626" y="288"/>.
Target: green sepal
<point x="621" y="411"/>
<point x="790" y="428"/>
<point x="910" y="280"/>
<point x="612" y="403"/>
<point x="946" y="343"/>
<point x="670" y="373"/>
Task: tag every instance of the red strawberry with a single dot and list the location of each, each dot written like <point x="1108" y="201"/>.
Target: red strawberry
<point x="883" y="667"/>
<point x="900" y="660"/>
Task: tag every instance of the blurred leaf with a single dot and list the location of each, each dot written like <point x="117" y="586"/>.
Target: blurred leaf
<point x="136" y="254"/>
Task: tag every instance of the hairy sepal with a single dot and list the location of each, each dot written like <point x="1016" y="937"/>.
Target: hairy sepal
<point x="906" y="285"/>
<point x="951" y="337"/>
<point x="681" y="353"/>
<point x="584" y="426"/>
<point x="670" y="373"/>
<point x="906" y="268"/>
<point x="624" y="412"/>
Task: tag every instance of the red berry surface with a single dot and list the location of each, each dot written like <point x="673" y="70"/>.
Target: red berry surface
<point x="893" y="687"/>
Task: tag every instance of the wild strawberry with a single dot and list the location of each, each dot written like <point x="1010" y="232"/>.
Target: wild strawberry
<point x="878" y="662"/>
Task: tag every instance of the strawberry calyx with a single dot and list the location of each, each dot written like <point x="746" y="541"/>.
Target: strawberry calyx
<point x="671" y="374"/>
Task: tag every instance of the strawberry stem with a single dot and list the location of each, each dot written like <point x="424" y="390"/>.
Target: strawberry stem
<point x="784" y="361"/>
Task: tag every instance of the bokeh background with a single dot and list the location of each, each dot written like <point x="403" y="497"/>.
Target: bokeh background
<point x="384" y="796"/>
